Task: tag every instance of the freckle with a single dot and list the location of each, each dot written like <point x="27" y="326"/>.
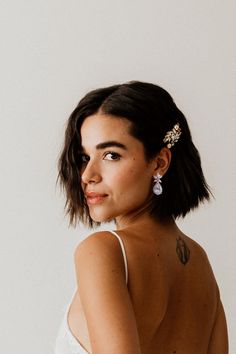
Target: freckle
<point x="157" y="254"/>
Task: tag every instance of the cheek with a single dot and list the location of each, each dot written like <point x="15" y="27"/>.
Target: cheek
<point x="126" y="177"/>
<point x="131" y="181"/>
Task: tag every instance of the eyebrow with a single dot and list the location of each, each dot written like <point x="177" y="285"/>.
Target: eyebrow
<point x="110" y="143"/>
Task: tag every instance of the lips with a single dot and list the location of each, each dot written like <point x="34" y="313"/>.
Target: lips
<point x="95" y="198"/>
<point x="95" y="195"/>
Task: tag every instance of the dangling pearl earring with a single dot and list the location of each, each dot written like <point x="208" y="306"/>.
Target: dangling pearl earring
<point x="157" y="188"/>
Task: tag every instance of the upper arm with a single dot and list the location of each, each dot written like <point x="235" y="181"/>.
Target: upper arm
<point x="104" y="296"/>
<point x="219" y="337"/>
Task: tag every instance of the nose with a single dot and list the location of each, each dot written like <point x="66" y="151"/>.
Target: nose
<point x="90" y="174"/>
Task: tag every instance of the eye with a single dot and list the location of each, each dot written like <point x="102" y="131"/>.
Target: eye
<point x="84" y="158"/>
<point x="111" y="156"/>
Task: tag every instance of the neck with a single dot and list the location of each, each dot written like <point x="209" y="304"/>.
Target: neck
<point x="144" y="221"/>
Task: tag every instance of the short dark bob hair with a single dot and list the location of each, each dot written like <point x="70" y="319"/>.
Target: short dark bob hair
<point x="152" y="113"/>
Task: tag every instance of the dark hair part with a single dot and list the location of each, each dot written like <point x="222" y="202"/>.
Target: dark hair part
<point x="152" y="112"/>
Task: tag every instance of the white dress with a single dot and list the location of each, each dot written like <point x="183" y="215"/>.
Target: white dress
<point x="66" y="342"/>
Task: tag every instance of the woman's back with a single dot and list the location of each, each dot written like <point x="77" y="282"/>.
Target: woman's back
<point x="175" y="304"/>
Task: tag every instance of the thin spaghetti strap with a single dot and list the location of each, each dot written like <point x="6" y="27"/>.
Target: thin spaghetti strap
<point x="124" y="254"/>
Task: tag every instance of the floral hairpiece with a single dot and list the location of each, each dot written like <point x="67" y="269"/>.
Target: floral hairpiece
<point x="172" y="136"/>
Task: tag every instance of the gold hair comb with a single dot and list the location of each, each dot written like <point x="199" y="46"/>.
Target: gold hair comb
<point x="172" y="136"/>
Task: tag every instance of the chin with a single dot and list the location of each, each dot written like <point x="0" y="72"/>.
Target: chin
<point x="101" y="217"/>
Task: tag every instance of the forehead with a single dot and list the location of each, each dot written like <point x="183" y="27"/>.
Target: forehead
<point x="101" y="127"/>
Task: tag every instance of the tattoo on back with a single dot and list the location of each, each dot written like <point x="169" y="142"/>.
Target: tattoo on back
<point x="182" y="250"/>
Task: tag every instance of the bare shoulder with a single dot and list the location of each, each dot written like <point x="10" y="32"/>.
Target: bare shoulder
<point x="201" y="269"/>
<point x="104" y="295"/>
<point x="96" y="238"/>
<point x="197" y="246"/>
<point x="199" y="252"/>
<point x="103" y="251"/>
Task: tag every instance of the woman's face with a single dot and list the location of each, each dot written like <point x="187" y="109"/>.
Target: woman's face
<point x="116" y="178"/>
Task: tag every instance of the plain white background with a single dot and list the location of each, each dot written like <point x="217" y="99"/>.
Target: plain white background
<point x="52" y="53"/>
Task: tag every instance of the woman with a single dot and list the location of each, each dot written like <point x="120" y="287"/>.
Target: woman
<point x="147" y="287"/>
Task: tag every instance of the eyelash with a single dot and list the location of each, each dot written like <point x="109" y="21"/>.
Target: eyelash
<point x="85" y="158"/>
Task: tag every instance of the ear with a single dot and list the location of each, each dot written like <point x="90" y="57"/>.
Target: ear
<point x="162" y="161"/>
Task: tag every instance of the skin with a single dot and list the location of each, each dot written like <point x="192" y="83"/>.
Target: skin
<point x="171" y="303"/>
<point x="122" y="173"/>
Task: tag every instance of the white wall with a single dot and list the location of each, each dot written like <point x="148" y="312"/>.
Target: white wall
<point x="54" y="51"/>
